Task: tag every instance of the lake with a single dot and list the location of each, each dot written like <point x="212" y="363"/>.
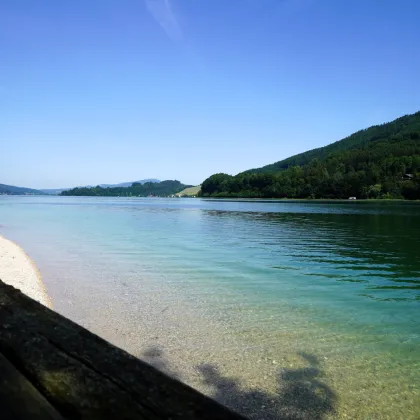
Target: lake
<point x="293" y="309"/>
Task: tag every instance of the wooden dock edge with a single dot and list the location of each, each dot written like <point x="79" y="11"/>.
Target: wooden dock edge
<point x="52" y="368"/>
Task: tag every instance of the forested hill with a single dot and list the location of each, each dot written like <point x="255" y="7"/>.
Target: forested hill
<point x="379" y="162"/>
<point x="12" y="190"/>
<point x="158" y="189"/>
<point x="397" y="130"/>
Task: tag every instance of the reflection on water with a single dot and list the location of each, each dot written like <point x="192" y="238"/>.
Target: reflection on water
<point x="376" y="249"/>
<point x="271" y="280"/>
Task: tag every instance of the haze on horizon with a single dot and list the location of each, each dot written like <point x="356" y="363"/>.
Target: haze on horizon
<point x="107" y="92"/>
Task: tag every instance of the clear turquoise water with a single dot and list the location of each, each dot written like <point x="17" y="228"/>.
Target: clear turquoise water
<point x="339" y="281"/>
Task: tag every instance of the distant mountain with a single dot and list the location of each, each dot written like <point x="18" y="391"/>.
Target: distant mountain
<point x="12" y="190"/>
<point x="57" y="191"/>
<point x="54" y="191"/>
<point x="129" y="184"/>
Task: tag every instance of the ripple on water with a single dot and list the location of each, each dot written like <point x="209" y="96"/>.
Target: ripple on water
<point x="296" y="310"/>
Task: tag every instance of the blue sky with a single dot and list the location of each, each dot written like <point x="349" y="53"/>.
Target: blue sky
<point x="104" y="91"/>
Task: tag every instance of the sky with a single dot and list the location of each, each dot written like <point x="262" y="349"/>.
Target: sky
<point x="106" y="91"/>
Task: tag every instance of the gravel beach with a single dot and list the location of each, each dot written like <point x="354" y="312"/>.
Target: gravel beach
<point x="18" y="270"/>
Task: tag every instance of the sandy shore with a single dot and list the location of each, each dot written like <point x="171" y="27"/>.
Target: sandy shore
<point x="18" y="270"/>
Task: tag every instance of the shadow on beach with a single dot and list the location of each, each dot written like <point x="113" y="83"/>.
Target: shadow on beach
<point x="300" y="393"/>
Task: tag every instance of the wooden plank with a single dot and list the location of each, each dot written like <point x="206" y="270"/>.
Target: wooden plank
<point x="19" y="399"/>
<point x="84" y="376"/>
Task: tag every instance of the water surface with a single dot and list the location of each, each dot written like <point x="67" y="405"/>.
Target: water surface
<point x="303" y="309"/>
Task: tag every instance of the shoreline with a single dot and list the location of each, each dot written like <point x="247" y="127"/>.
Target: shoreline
<point x="308" y="200"/>
<point x="18" y="270"/>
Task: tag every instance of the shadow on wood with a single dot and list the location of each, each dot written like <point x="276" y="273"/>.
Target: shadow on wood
<point x="54" y="368"/>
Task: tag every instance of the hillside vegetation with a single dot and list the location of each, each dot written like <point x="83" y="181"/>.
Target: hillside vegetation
<point x="379" y="162"/>
<point x="189" y="192"/>
<point x="12" y="190"/>
<point x="158" y="189"/>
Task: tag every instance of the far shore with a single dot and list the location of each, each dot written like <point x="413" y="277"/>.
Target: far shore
<point x="310" y="200"/>
<point x="18" y="270"/>
<point x="244" y="199"/>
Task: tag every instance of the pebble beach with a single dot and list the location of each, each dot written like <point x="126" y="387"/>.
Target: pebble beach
<point x="18" y="270"/>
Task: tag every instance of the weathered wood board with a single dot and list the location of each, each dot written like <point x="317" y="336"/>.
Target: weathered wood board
<point x="52" y="368"/>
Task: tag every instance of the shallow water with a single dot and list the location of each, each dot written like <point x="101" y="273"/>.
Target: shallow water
<point x="300" y="310"/>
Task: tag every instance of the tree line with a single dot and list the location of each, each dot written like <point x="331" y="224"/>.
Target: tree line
<point x="156" y="189"/>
